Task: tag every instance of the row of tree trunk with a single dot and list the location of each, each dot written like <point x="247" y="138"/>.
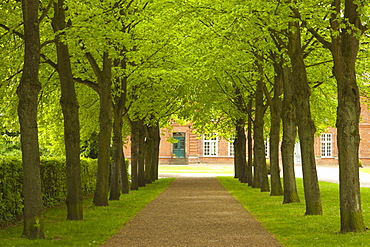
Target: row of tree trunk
<point x="294" y="110"/>
<point x="145" y="141"/>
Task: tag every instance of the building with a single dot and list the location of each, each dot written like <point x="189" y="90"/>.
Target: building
<point x="326" y="151"/>
<point x="180" y="145"/>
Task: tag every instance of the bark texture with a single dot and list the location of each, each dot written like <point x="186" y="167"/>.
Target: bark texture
<point x="134" y="155"/>
<point x="240" y="150"/>
<point x="118" y="157"/>
<point x="250" y="145"/>
<point x="27" y="92"/>
<point x="156" y="135"/>
<point x="261" y="177"/>
<point x="70" y="110"/>
<point x="276" y="108"/>
<point x="141" y="154"/>
<point x="119" y="176"/>
<point x="151" y="153"/>
<point x="105" y="123"/>
<point x="288" y="143"/>
<point x="306" y="126"/>
<point x="344" y="49"/>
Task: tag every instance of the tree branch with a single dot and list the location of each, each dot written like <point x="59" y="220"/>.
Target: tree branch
<point x="20" y="35"/>
<point x="46" y="10"/>
<point x="48" y="61"/>
<point x="94" y="65"/>
<point x="320" y="38"/>
<point x="88" y="83"/>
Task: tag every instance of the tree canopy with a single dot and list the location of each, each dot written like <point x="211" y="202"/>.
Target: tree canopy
<point x="214" y="63"/>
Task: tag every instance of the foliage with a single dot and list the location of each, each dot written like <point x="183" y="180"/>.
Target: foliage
<point x="11" y="203"/>
<point x="53" y="183"/>
<point x="101" y="222"/>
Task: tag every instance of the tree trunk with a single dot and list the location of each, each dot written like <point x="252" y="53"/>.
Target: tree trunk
<point x="250" y="145"/>
<point x="344" y="51"/>
<point x="156" y="135"/>
<point x="141" y="155"/>
<point x="105" y="122"/>
<point x="134" y="155"/>
<point x="261" y="176"/>
<point x="125" y="183"/>
<point x="27" y="92"/>
<point x="70" y="110"/>
<point x="276" y="106"/>
<point x="240" y="150"/>
<point x="288" y="143"/>
<point x="148" y="154"/>
<point x="151" y="152"/>
<point x="306" y="126"/>
<point x="236" y="160"/>
<point x="117" y="160"/>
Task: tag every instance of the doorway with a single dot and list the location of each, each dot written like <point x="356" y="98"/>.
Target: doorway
<point x="178" y="148"/>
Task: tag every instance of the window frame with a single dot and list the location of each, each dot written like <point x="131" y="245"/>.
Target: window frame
<point x="230" y="147"/>
<point x="326" y="145"/>
<point x="212" y="149"/>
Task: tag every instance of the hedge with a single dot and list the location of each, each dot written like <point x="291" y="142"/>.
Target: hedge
<point x="53" y="179"/>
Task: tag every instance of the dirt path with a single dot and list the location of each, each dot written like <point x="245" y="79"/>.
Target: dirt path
<point x="193" y="212"/>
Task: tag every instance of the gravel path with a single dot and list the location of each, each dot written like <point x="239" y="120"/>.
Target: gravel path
<point x="193" y="211"/>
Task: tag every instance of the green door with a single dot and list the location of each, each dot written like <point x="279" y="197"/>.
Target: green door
<point x="178" y="150"/>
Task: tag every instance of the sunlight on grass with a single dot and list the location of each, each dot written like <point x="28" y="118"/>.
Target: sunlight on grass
<point x="99" y="224"/>
<point x="366" y="170"/>
<point x="288" y="223"/>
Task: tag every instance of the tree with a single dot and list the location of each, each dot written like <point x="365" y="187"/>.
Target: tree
<point x="288" y="143"/>
<point x="347" y="26"/>
<point x="70" y="108"/>
<point x="105" y="123"/>
<point x="118" y="161"/>
<point x="306" y="126"/>
<point x="260" y="177"/>
<point x="250" y="145"/>
<point x="276" y="109"/>
<point x="27" y="92"/>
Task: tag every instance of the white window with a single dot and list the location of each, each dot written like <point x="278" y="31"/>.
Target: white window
<point x="326" y="145"/>
<point x="210" y="142"/>
<point x="231" y="146"/>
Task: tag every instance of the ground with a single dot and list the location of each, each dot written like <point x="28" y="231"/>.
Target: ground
<point x="193" y="211"/>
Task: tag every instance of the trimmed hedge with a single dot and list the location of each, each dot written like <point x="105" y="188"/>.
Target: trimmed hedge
<point x="53" y="179"/>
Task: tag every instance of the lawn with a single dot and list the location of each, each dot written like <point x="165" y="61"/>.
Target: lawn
<point x="99" y="224"/>
<point x="288" y="223"/>
<point x="366" y="170"/>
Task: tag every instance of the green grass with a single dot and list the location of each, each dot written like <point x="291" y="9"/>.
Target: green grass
<point x="210" y="169"/>
<point x="366" y="170"/>
<point x="99" y="224"/>
<point x="288" y="223"/>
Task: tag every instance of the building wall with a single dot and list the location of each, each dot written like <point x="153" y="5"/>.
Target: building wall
<point x="195" y="153"/>
<point x="193" y="147"/>
<point x="364" y="148"/>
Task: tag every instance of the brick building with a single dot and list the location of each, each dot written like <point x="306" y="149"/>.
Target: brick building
<point x="326" y="151"/>
<point x="193" y="148"/>
<point x="190" y="147"/>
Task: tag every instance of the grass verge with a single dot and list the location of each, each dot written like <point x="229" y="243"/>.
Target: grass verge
<point x="99" y="224"/>
<point x="287" y="221"/>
